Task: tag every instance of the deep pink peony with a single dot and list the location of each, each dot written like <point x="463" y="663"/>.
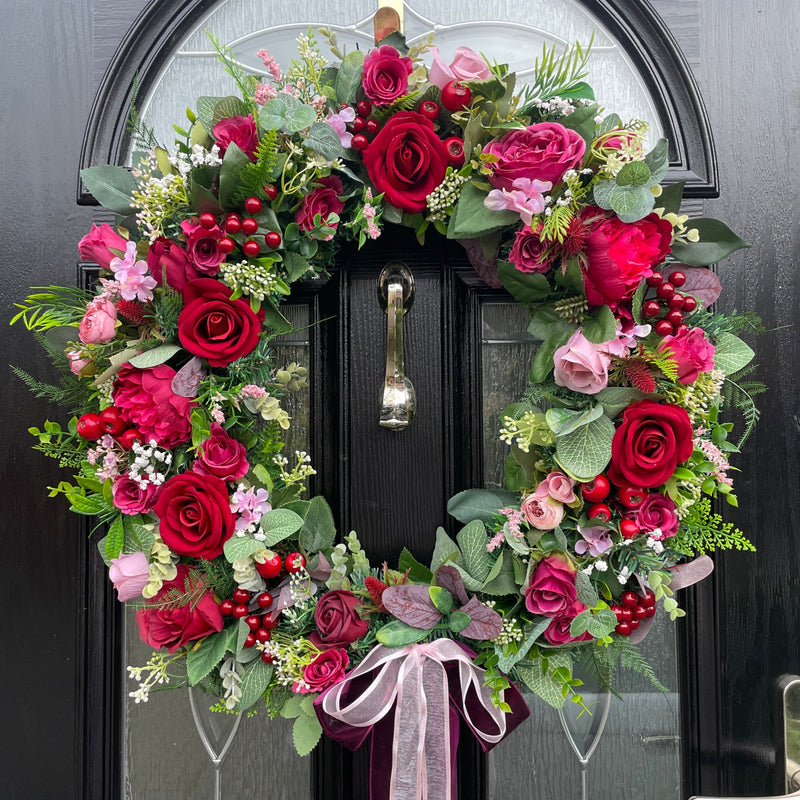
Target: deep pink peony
<point x="557" y="632"/>
<point x="581" y="365"/>
<point x="530" y="253"/>
<point x="692" y="352"/>
<point x="97" y="244"/>
<point x="466" y="65"/>
<point x="544" y="151"/>
<point x="99" y="323"/>
<point x="322" y="200"/>
<point x="147" y="402"/>
<point x="130" y="498"/>
<point x="202" y="244"/>
<point x="221" y="456"/>
<point x="169" y="625"/>
<point x="325" y="670"/>
<point x="551" y="591"/>
<point x="240" y="131"/>
<point x="618" y="255"/>
<point x="385" y="75"/>
<point x="166" y="258"/>
<point x="658" y="512"/>
<point x="130" y="573"/>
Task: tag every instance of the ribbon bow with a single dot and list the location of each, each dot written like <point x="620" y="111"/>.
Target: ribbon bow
<point x="419" y="685"/>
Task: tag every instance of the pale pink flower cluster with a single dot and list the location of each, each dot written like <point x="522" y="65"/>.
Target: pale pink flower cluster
<point x="270" y="63"/>
<point x="264" y="92"/>
<point x="250" y="504"/>
<point x="107" y="454"/>
<point x="251" y="390"/>
<point x="217" y="413"/>
<point x="525" y="197"/>
<point x="134" y="281"/>
<point x="716" y="457"/>
<point x="515" y="519"/>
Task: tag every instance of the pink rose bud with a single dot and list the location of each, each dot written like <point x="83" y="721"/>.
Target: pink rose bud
<point x="130" y="573"/>
<point x="542" y="513"/>
<point x="467" y="65"/>
<point x="96" y="245"/>
<point x="558" y="486"/>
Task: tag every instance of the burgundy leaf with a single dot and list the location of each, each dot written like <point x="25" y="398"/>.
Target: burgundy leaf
<point x="412" y="605"/>
<point x="319" y="568"/>
<point x="485" y="267"/>
<point x="486" y="623"/>
<point x="450" y="578"/>
<point x="186" y="382"/>
<point x="701" y="282"/>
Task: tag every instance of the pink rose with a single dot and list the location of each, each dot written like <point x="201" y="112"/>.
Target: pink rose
<point x="170" y="625"/>
<point x="147" y="402"/>
<point x="618" y="255"/>
<point x="203" y="247"/>
<point x="130" y="573"/>
<point x="97" y="245"/>
<point x="658" y="512"/>
<point x="692" y="352"/>
<point x="130" y="498"/>
<point x="557" y="632"/>
<point x="221" y="456"/>
<point x="77" y="362"/>
<point x="467" y="65"/>
<point x="240" y="131"/>
<point x="529" y="253"/>
<point x="323" y="200"/>
<point x="544" y="151"/>
<point x="551" y="591"/>
<point x="325" y="670"/>
<point x="542" y="513"/>
<point x="558" y="486"/>
<point x="385" y="75"/>
<point x="99" y="323"/>
<point x="167" y="259"/>
<point x="581" y="365"/>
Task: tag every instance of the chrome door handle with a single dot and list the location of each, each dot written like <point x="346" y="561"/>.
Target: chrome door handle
<point x="398" y="398"/>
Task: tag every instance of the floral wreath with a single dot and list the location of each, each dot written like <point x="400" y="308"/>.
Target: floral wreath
<point x="176" y="440"/>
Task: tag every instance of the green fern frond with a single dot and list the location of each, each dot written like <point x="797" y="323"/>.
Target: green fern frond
<point x="218" y="576"/>
<point x="739" y="395"/>
<point x="703" y="531"/>
<point x="631" y="658"/>
<point x="260" y="172"/>
<point x="404" y="103"/>
<point x="66" y="457"/>
<point x="556" y="225"/>
<point x="73" y="393"/>
<point x="142" y="136"/>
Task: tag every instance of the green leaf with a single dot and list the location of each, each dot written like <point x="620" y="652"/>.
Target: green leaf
<point x="636" y="304"/>
<point x="323" y="139"/>
<point x="286" y="113"/>
<point x="458" y="621"/>
<point x="564" y="420"/>
<point x="546" y="322"/>
<point x="543" y="684"/>
<point x="279" y="524"/>
<point x="657" y="160"/>
<point x="244" y="655"/>
<point x="717" y="241"/>
<point x="205" y="111"/>
<point x="514" y="477"/>
<point x="255" y="681"/>
<point x="670" y="197"/>
<point x="482" y="504"/>
<point x="525" y="287"/>
<point x="542" y="364"/>
<point x="296" y="266"/>
<point x="634" y="173"/>
<point x="319" y="529"/>
<point x="398" y="634"/>
<point x="444" y="551"/>
<point x="115" y="538"/>
<point x="601" y="326"/>
<point x="112" y="187"/>
<point x="227" y="107"/>
<point x="348" y="78"/>
<point x="441" y="598"/>
<point x="539" y="626"/>
<point x="472" y="540"/>
<point x="731" y="353"/>
<point x="291" y="709"/>
<point x="572" y="277"/>
<point x="598" y="625"/>
<point x="152" y="358"/>
<point x="200" y="660"/>
<point x="274" y="319"/>
<point x="602" y="193"/>
<point x="306" y="732"/>
<point x="615" y="399"/>
<point x="609" y="123"/>
<point x="631" y="203"/>
<point x="585" y="591"/>
<point x="505" y="581"/>
<point x="230" y="174"/>
<point x="586" y="452"/>
<point x="472" y="219"/>
<point x="241" y="547"/>
<point x="582" y="121"/>
<point x="417" y="573"/>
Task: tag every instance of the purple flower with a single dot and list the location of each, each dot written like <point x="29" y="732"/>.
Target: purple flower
<point x="596" y="540"/>
<point x="339" y="123"/>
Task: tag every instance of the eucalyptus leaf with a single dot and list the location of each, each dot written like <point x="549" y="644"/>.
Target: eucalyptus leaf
<point x="602" y="193"/>
<point x="480" y="504"/>
<point x="279" y="524"/>
<point x="241" y="547"/>
<point x="731" y="354"/>
<point x="564" y="420"/>
<point x="631" y="203"/>
<point x="634" y="173"/>
<point x="323" y="139"/>
<point x="155" y="356"/>
<point x="398" y="634"/>
<point x="585" y="453"/>
<point x="717" y="241"/>
<point x="255" y="681"/>
<point x="472" y="540"/>
<point x="112" y="187"/>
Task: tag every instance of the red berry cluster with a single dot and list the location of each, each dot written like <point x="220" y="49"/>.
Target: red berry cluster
<point x="234" y="224"/>
<point x="109" y="421"/>
<point x="668" y="304"/>
<point x="261" y="627"/>
<point x="626" y="500"/>
<point x="632" y="609"/>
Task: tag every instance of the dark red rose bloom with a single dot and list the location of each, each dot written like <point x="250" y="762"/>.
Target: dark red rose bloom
<point x="386" y="75"/>
<point x="167" y="625"/>
<point x="221" y="456"/>
<point x="147" y="402"/>
<point x="322" y="200"/>
<point x="194" y="514"/>
<point x="325" y="670"/>
<point x="338" y="623"/>
<point x="619" y="255"/>
<point x="240" y="131"/>
<point x="166" y="258"/>
<point x="406" y="160"/>
<point x="530" y="253"/>
<point x="215" y="327"/>
<point x="649" y="444"/>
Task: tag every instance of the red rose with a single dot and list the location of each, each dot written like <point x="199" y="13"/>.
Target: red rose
<point x="96" y="245"/>
<point x="215" y="327"/>
<point x="386" y="75"/>
<point x="619" y="255"/>
<point x="325" y="670"/>
<point x="323" y="200"/>
<point x="551" y="591"/>
<point x="167" y="259"/>
<point x="170" y="625"/>
<point x="203" y="246"/>
<point x="557" y="632"/>
<point x="337" y="620"/>
<point x="240" y="131"/>
<point x="544" y="152"/>
<point x="649" y="444"/>
<point x="406" y="160"/>
<point x="221" y="456"/>
<point x="529" y="253"/>
<point x="147" y="402"/>
<point x="194" y="514"/>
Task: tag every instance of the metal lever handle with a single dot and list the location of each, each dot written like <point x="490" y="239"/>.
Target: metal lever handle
<point x="398" y="398"/>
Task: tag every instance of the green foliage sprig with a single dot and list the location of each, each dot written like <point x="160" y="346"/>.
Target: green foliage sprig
<point x="557" y="76"/>
<point x="703" y="531"/>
